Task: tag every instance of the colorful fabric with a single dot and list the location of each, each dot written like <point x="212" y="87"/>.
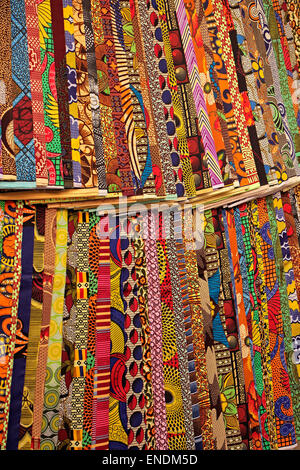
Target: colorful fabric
<point x="10" y="324"/>
<point x="68" y="338"/>
<point x="81" y="330"/>
<point x="135" y="381"/>
<point x="274" y="333"/>
<point x="35" y="70"/>
<point x="62" y="90"/>
<point x="189" y="338"/>
<point x="155" y="319"/>
<point x="51" y="115"/>
<point x="48" y="280"/>
<point x="198" y="332"/>
<point x="154" y="330"/>
<point x="198" y="94"/>
<point x="85" y="125"/>
<point x="8" y="168"/>
<point x="225" y="342"/>
<point x="260" y="357"/>
<point x="285" y="308"/>
<point x="289" y="275"/>
<point x="102" y="351"/>
<point x="214" y="104"/>
<point x="22" y="328"/>
<point x="94" y="94"/>
<point x="142" y="293"/>
<point x="218" y="422"/>
<point x="118" y="424"/>
<point x="179" y="330"/>
<point x="163" y="98"/>
<point x="26" y="419"/>
<point x="174" y="405"/>
<point x="50" y="422"/>
<point x="245" y="345"/>
<point x="22" y="108"/>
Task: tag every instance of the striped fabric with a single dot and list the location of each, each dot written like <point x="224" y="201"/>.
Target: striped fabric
<point x="204" y="124"/>
<point x="102" y="361"/>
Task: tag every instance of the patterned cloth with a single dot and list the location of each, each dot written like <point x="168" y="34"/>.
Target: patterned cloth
<point x="163" y="98"/>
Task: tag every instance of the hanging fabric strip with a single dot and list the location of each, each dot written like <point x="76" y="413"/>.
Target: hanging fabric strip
<point x="68" y="338"/>
<point x="260" y="275"/>
<point x="267" y="101"/>
<point x="245" y="345"/>
<point x="154" y="301"/>
<point x="231" y="326"/>
<point x="102" y="352"/>
<point x="218" y="420"/>
<point x="218" y="74"/>
<point x="291" y="8"/>
<point x="291" y="219"/>
<point x="142" y="293"/>
<point x="253" y="334"/>
<point x="35" y="69"/>
<point x="244" y="94"/>
<point x="118" y="425"/>
<point x="189" y="338"/>
<point x="174" y="405"/>
<point x="295" y="210"/>
<point x="241" y="123"/>
<point x="274" y="334"/>
<point x="141" y="139"/>
<point x="135" y="395"/>
<point x="51" y="115"/>
<point x="127" y="105"/>
<point x="12" y="322"/>
<point x="26" y="420"/>
<point x="289" y="277"/>
<point x="153" y="143"/>
<point x="86" y="134"/>
<point x="22" y="328"/>
<point x="173" y="130"/>
<point x="167" y="28"/>
<point x="50" y="427"/>
<point x="94" y="94"/>
<point x="285" y="309"/>
<point x="61" y="78"/>
<point x="146" y="66"/>
<point x="72" y="90"/>
<point x="94" y="246"/>
<point x="198" y="95"/>
<point x="275" y="59"/>
<point x="165" y="68"/>
<point x="116" y="100"/>
<point x="48" y="280"/>
<point x="22" y="107"/>
<point x="153" y="84"/>
<point x="7" y="267"/>
<point x="283" y="33"/>
<point x="8" y="167"/>
<point x="214" y="104"/>
<point x="179" y="331"/>
<point x="113" y="178"/>
<point x="81" y="330"/>
<point x="251" y="85"/>
<point x="223" y="343"/>
<point x="198" y="331"/>
<point x="260" y="353"/>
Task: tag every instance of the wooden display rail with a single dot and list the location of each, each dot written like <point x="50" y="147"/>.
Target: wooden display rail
<point x="212" y="199"/>
<point x="52" y="195"/>
<point x="89" y="198"/>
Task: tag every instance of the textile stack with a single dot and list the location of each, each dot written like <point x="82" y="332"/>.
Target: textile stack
<point x="149" y="225"/>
